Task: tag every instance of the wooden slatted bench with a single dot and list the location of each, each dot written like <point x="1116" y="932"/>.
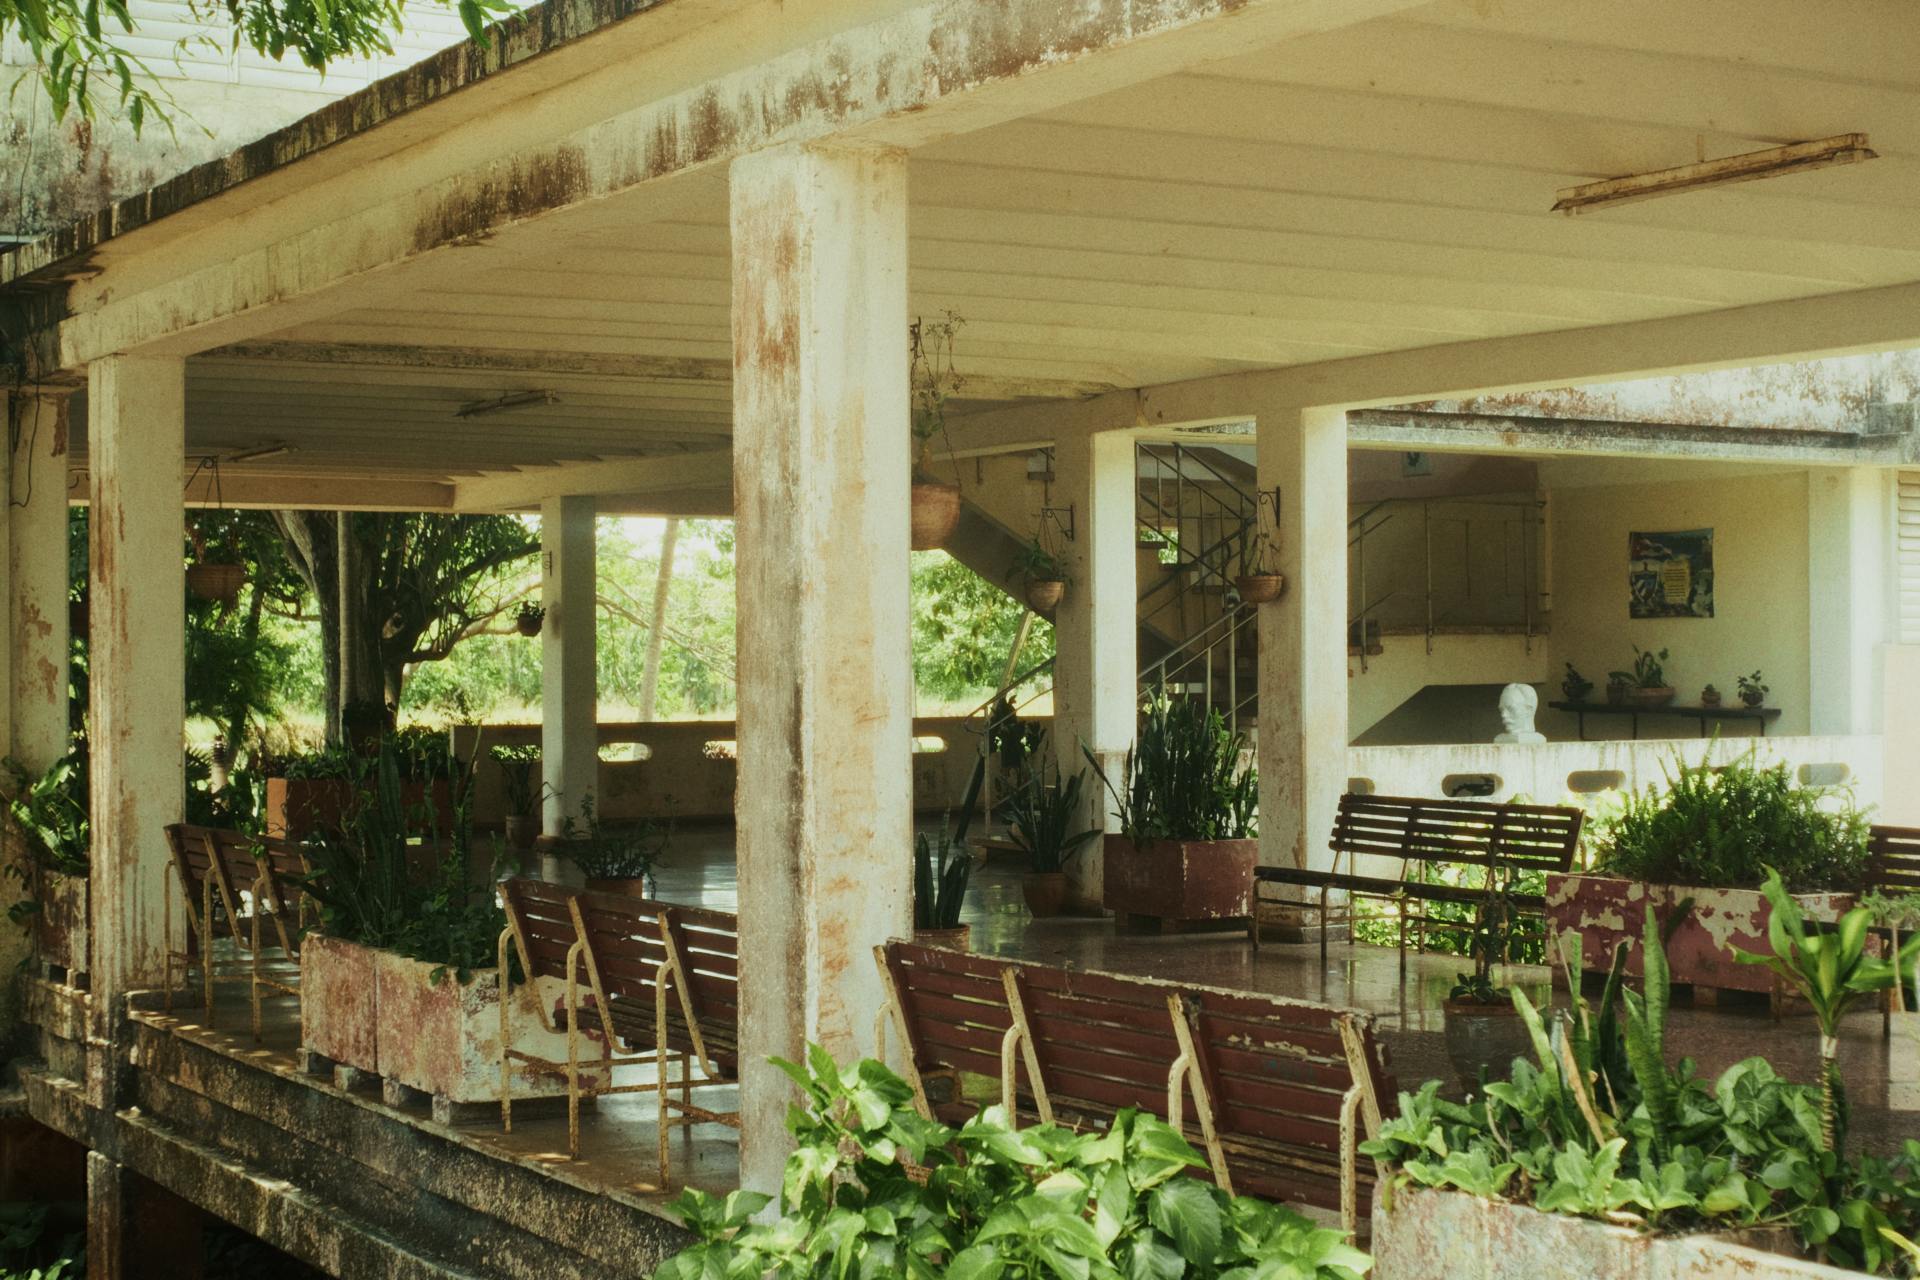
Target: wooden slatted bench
<point x="703" y="1023"/>
<point x="209" y="904"/>
<point x="1893" y="867"/>
<point x="1275" y="1092"/>
<point x="606" y="947"/>
<point x="1486" y="839"/>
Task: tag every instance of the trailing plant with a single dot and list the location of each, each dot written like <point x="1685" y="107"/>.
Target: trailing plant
<point x="875" y="1190"/>
<point x="1036" y="564"/>
<point x="1042" y="817"/>
<point x="1184" y="776"/>
<point x="932" y="379"/>
<point x="626" y="852"/>
<point x="1834" y="972"/>
<point x="367" y="893"/>
<point x="940" y="877"/>
<point x="516" y="776"/>
<point x="1722" y="828"/>
<point x="51" y="812"/>
<point x="528" y="615"/>
<point x="1649" y="671"/>
<point x="1598" y="1124"/>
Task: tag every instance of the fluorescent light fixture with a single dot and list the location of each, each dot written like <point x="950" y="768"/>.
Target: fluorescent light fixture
<point x="259" y="454"/>
<point x="1842" y="148"/>
<point x="500" y="404"/>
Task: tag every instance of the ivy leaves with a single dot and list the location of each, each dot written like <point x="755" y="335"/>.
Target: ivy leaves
<point x="991" y="1202"/>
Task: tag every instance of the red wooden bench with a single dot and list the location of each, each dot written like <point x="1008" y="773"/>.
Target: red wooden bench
<point x="1489" y="842"/>
<point x="1275" y="1092"/>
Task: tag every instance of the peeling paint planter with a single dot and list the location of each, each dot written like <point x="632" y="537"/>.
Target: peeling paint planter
<point x="1604" y="911"/>
<point x="296" y="807"/>
<point x="1419" y="1234"/>
<point x="1180" y="880"/>
<point x="382" y="1013"/>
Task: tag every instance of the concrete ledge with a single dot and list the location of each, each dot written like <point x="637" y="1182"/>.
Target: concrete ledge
<point x="1420" y="1234"/>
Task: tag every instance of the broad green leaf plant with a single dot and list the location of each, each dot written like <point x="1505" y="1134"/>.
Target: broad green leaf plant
<point x="1597" y="1124"/>
<point x="987" y="1201"/>
<point x="1834" y="971"/>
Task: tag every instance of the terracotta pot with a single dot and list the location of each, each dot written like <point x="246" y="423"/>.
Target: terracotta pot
<point x="1484" y="1035"/>
<point x="1045" y="892"/>
<point x="1259" y="588"/>
<point x="952" y="939"/>
<point x="1657" y="696"/>
<point x="1709" y="699"/>
<point x="1044" y="594"/>
<point x="221" y="582"/>
<point x="1616" y="695"/>
<point x="1180" y="879"/>
<point x="1754" y="700"/>
<point x="936" y="510"/>
<point x="522" y="831"/>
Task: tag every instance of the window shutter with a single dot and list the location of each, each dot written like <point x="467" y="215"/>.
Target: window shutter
<point x="1906" y="547"/>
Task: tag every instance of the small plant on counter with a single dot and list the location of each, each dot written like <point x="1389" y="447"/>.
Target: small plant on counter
<point x="1752" y="691"/>
<point x="1649" y="671"/>
<point x="1574" y="685"/>
<point x="1185" y="779"/>
<point x="874" y="1189"/>
<point x="940" y="878"/>
<point x="1710" y="697"/>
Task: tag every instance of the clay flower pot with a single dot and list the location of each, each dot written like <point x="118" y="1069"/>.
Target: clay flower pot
<point x="1044" y="594"/>
<point x="1259" y="588"/>
<point x="936" y="510"/>
<point x="1657" y="696"/>
<point x="522" y="831"/>
<point x="1754" y="700"/>
<point x="217" y="582"/>
<point x="1045" y="892"/>
<point x="528" y="624"/>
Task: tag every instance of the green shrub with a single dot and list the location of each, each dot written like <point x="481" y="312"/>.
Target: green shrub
<point x="1722" y="828"/>
<point x="995" y="1201"/>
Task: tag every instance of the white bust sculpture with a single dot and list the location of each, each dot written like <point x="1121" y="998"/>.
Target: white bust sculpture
<point x="1518" y="703"/>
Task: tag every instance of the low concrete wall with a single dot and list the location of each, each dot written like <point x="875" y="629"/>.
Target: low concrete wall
<point x="1443" y="1235"/>
<point x="688" y="767"/>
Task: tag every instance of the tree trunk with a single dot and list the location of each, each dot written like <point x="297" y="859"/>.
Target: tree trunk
<point x="363" y="684"/>
<point x="234" y="721"/>
<point x="656" y="630"/>
<point x="310" y="538"/>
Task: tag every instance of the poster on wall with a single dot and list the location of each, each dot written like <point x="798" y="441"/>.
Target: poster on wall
<point x="1670" y="575"/>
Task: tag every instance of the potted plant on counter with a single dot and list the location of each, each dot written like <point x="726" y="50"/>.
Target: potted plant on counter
<point x="940" y="877"/>
<point x="1186" y="849"/>
<point x="1697" y="855"/>
<point x="610" y="859"/>
<point x="1044" y="576"/>
<point x="1710" y="697"/>
<point x="48" y="816"/>
<point x="517" y="765"/>
<point x="1752" y="692"/>
<point x="1046" y="819"/>
<point x="936" y="504"/>
<point x="1575" y="686"/>
<point x="1646" y="685"/>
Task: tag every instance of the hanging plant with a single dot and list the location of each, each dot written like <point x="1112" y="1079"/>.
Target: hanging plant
<point x="1044" y="576"/>
<point x="215" y="574"/>
<point x="932" y="379"/>
<point x="1258" y="581"/>
<point x="529" y="618"/>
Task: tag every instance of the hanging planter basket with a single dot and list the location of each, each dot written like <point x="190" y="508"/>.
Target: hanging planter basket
<point x="528" y="623"/>
<point x="217" y="582"/>
<point x="1044" y="594"/>
<point x="936" y="510"/>
<point x="1260" y="588"/>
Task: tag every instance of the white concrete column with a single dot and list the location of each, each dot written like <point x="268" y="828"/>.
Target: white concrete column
<point x="37" y="576"/>
<point x="137" y="658"/>
<point x="569" y="703"/>
<point x="1096" y="651"/>
<point x="1849" y="569"/>
<point x="821" y="462"/>
<point x="1303" y="636"/>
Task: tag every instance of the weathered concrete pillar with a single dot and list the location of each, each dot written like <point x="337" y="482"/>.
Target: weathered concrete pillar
<point x="1849" y="566"/>
<point x="137" y="659"/>
<point x="821" y="460"/>
<point x="135" y="1227"/>
<point x="37" y="577"/>
<point x="569" y="703"/>
<point x="1096" y="651"/>
<point x="1303" y="666"/>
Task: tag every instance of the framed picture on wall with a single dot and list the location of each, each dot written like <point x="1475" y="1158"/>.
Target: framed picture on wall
<point x="1670" y="575"/>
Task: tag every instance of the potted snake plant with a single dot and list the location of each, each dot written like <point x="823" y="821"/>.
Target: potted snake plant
<point x="1046" y="818"/>
<point x="940" y="876"/>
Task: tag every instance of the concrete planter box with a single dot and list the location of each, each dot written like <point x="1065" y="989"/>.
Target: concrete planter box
<point x="1443" y="1235"/>
<point x="60" y="929"/>
<point x="1180" y="880"/>
<point x="383" y="1014"/>
<point x="1605" y="910"/>
<point x="297" y="807"/>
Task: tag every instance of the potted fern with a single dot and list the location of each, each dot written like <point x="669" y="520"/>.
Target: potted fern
<point x="1044" y="575"/>
<point x="1045" y="818"/>
<point x="1186" y="851"/>
<point x="940" y="876"/>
